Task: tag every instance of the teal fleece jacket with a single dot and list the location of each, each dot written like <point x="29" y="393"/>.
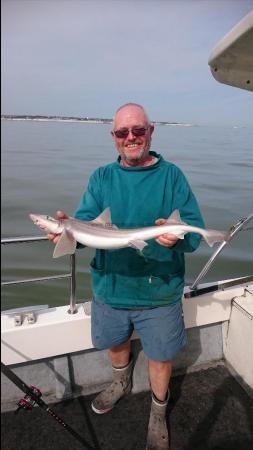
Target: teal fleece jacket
<point x="137" y="196"/>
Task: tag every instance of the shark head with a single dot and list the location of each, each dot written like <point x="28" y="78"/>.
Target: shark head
<point x="46" y="223"/>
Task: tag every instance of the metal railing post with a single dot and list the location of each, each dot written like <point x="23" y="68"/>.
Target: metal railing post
<point x="72" y="304"/>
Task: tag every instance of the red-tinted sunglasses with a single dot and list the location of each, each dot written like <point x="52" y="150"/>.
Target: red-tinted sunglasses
<point x="136" y="131"/>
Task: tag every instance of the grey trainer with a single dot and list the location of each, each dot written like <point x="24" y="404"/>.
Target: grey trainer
<point x="121" y="385"/>
<point x="158" y="436"/>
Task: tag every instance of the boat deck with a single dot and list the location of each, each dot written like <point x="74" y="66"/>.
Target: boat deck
<point x="208" y="410"/>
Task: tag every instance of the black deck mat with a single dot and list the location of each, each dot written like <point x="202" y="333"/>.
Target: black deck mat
<point x="208" y="410"/>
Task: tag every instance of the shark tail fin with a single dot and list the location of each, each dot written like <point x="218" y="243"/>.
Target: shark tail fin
<point x="212" y="236"/>
<point x="65" y="246"/>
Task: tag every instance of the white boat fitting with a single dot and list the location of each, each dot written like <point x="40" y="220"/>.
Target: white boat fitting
<point x="231" y="61"/>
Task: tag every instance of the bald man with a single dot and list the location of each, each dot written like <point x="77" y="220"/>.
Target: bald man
<point x="133" y="290"/>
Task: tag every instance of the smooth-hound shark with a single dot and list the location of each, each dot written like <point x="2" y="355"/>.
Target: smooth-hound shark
<point x="102" y="234"/>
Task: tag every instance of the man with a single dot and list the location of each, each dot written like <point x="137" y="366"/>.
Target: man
<point x="133" y="290"/>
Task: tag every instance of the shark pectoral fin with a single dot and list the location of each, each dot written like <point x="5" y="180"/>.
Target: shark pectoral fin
<point x="65" y="246"/>
<point x="138" y="244"/>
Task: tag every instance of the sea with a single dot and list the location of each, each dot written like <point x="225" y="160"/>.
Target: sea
<point x="46" y="166"/>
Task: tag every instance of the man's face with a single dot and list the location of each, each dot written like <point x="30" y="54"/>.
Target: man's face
<point x="132" y="123"/>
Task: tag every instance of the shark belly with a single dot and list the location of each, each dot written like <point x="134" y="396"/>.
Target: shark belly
<point x="101" y="242"/>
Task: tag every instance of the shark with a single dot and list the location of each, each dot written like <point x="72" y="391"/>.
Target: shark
<point x="101" y="233"/>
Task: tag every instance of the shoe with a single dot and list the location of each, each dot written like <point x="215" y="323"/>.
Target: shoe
<point x="158" y="436"/>
<point x="121" y="385"/>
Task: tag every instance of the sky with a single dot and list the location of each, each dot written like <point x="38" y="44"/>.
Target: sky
<point x="85" y="58"/>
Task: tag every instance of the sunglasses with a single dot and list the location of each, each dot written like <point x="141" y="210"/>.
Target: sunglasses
<point x="136" y="131"/>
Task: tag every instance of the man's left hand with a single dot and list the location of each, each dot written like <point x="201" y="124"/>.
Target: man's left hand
<point x="167" y="239"/>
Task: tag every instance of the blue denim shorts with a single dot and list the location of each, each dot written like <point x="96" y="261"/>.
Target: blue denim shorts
<point x="161" y="330"/>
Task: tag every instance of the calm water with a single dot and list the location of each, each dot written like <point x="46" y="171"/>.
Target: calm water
<point x="46" y="165"/>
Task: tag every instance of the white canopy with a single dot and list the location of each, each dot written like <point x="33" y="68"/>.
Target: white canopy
<point x="231" y="61"/>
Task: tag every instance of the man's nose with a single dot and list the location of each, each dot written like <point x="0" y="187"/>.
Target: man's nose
<point x="131" y="136"/>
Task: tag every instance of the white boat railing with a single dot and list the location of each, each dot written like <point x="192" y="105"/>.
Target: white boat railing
<point x="234" y="229"/>
<point x="71" y="275"/>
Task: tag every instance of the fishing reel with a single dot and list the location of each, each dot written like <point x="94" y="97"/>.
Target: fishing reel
<point x="27" y="402"/>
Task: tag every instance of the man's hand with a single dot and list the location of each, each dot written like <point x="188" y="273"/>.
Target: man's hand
<point x="168" y="239"/>
<point x="55" y="237"/>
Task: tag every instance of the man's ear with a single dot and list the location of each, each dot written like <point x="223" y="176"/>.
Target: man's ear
<point x="151" y="127"/>
<point x="113" y="137"/>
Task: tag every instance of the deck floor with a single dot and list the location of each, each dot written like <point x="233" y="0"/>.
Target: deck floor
<point x="208" y="410"/>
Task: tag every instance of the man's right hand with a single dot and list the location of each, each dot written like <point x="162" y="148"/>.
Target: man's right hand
<point x="55" y="237"/>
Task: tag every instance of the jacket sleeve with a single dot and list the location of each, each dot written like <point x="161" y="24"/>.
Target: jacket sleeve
<point x="184" y="200"/>
<point x="90" y="205"/>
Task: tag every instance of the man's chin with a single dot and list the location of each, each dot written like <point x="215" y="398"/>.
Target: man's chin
<point x="134" y="157"/>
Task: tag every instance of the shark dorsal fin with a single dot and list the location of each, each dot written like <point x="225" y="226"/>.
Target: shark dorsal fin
<point x="104" y="218"/>
<point x="174" y="217"/>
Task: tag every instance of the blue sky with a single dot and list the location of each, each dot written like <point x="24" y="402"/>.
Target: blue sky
<point x="87" y="57"/>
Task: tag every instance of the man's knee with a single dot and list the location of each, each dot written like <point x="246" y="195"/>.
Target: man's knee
<point x="160" y="365"/>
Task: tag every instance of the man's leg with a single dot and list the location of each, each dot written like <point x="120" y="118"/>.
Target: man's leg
<point x="120" y="355"/>
<point x="111" y="329"/>
<point x="162" y="334"/>
<point x="122" y="367"/>
<point x="159" y="376"/>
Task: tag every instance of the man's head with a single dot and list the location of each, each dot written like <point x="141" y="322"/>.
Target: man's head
<point x="132" y="133"/>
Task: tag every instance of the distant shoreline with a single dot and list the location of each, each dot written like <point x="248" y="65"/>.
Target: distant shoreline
<point x="77" y="119"/>
<point x="56" y="119"/>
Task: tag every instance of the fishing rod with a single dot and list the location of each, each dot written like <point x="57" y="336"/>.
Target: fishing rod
<point x="33" y="395"/>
